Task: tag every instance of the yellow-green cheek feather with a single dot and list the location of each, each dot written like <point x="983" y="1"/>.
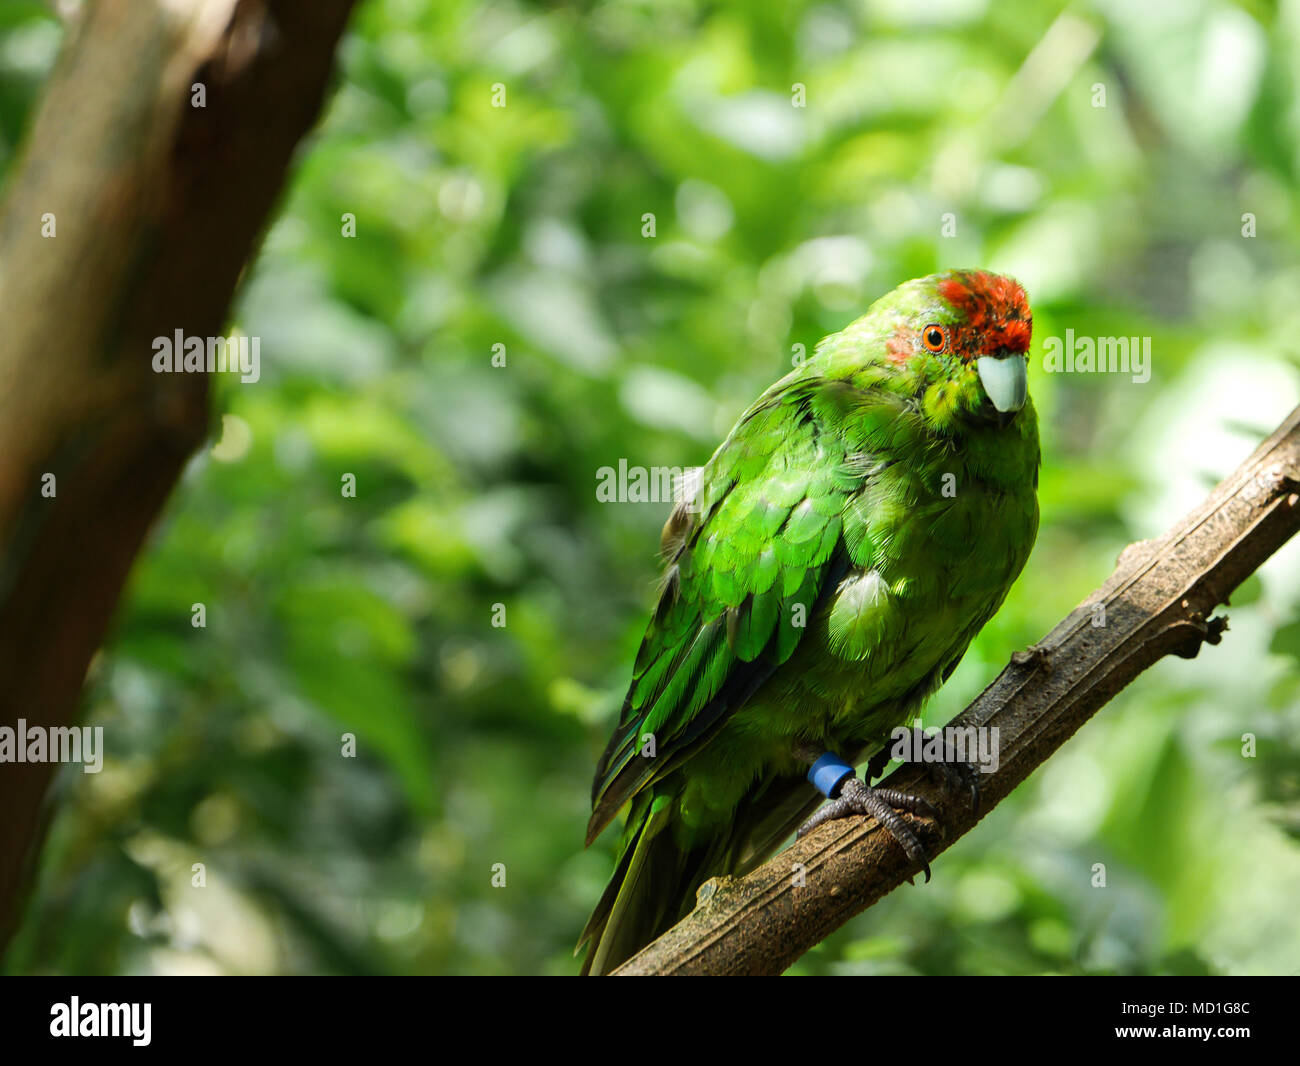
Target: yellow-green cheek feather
<point x="946" y="402"/>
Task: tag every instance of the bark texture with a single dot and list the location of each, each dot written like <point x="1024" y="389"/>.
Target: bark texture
<point x="155" y="206"/>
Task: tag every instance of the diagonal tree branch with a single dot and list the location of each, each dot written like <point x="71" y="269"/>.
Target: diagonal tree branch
<point x="1158" y="602"/>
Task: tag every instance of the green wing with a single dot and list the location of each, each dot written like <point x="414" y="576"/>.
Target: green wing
<point x="745" y="569"/>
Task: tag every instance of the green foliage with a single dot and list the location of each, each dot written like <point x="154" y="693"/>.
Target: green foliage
<point x="522" y="226"/>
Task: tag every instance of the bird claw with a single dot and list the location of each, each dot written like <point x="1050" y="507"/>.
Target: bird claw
<point x="883" y="804"/>
<point x="956" y="777"/>
<point x="952" y="774"/>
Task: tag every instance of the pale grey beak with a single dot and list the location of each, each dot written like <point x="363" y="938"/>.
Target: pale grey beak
<point x="1005" y="380"/>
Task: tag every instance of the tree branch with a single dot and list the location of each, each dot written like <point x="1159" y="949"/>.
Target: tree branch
<point x="1158" y="601"/>
<point x="130" y="216"/>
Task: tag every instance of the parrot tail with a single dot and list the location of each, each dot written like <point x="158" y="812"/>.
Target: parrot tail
<point x="653" y="886"/>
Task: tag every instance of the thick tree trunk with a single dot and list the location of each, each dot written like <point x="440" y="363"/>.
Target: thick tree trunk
<point x="155" y="206"/>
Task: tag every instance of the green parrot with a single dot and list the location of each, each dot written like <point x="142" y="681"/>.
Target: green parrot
<point x="837" y="555"/>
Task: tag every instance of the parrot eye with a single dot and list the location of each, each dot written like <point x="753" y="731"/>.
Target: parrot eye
<point x="934" y="337"/>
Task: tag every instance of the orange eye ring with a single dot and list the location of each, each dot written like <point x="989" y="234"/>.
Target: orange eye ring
<point x="934" y="337"/>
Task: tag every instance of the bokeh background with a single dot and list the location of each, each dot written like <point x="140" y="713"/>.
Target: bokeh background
<point x="1104" y="153"/>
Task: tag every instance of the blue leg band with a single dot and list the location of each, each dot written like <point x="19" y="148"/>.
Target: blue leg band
<point x="828" y="773"/>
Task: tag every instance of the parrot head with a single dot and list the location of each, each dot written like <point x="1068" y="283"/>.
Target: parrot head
<point x="953" y="343"/>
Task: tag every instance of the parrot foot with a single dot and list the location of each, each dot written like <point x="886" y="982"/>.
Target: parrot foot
<point x="951" y="773"/>
<point x="957" y="777"/>
<point x="883" y="804"/>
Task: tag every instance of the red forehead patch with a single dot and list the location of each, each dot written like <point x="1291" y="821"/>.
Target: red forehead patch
<point x="996" y="310"/>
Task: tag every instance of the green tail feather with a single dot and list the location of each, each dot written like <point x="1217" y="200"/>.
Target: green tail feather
<point x="654" y="885"/>
<point x="632" y="904"/>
